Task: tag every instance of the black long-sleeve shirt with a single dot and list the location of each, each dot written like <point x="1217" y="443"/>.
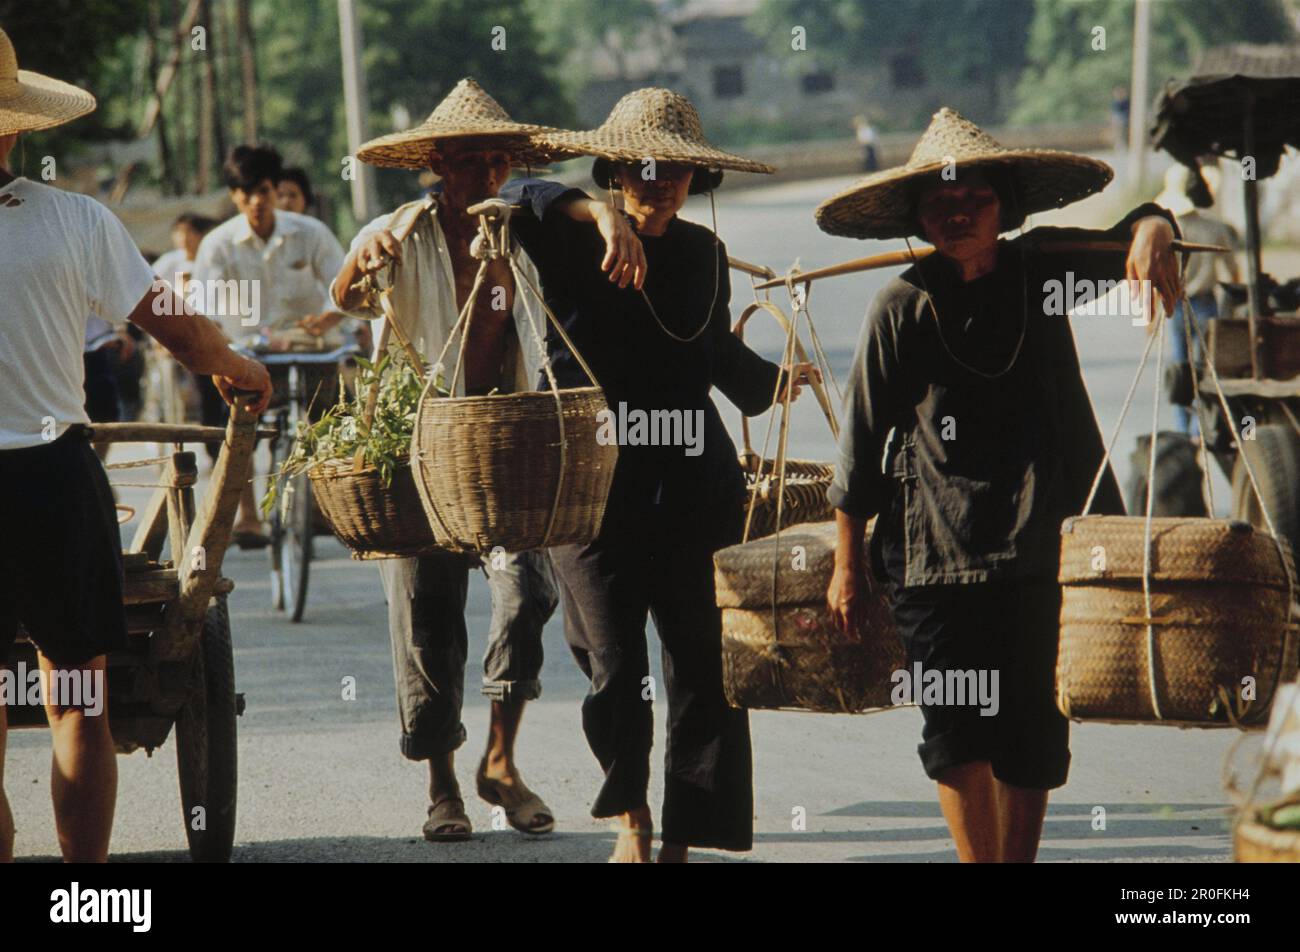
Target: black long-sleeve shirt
<point x="982" y="469"/>
<point x="638" y="364"/>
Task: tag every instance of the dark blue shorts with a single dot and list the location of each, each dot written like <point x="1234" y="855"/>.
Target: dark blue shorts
<point x="60" y="552"/>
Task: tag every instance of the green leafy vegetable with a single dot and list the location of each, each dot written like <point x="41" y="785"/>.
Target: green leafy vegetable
<point x="342" y="430"/>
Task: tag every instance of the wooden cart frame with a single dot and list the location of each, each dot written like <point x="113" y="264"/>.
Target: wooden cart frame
<point x="178" y="666"/>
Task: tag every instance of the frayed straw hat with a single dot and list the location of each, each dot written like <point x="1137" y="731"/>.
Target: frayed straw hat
<point x="650" y="123"/>
<point x="882" y="204"/>
<point x="30" y="101"/>
<point x="467" y="112"/>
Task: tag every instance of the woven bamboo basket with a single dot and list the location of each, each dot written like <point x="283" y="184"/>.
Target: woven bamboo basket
<point x="1220" y="614"/>
<point x="1254" y="841"/>
<point x="508" y="470"/>
<point x="792" y="655"/>
<point x="798" y="485"/>
<point x="373" y="520"/>
<point x="804" y="490"/>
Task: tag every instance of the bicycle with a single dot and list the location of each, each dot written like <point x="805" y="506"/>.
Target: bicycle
<point x="300" y="378"/>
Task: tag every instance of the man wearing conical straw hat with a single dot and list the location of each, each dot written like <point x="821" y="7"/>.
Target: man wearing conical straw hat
<point x="63" y="258"/>
<point x="969" y="359"/>
<point x="471" y="143"/>
<point x="651" y="317"/>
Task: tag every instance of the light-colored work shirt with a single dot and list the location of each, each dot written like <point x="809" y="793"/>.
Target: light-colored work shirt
<point x="251" y="286"/>
<point x="1204" y="271"/>
<point x="423" y="298"/>
<point x="65" y="257"/>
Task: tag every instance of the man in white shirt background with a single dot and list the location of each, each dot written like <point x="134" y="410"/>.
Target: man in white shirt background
<point x="282" y="264"/>
<point x="64" y="257"/>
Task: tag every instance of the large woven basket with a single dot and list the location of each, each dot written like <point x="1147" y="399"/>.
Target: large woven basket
<point x="1220" y="614"/>
<point x="1254" y="841"/>
<point x="793" y="655"/>
<point x="501" y="471"/>
<point x="373" y="520"/>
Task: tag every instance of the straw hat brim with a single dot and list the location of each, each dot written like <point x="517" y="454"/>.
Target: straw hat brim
<point x="413" y="148"/>
<point x="881" y="205"/>
<point x="622" y="145"/>
<point x="42" y="103"/>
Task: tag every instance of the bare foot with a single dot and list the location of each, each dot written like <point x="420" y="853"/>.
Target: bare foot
<point x="635" y="830"/>
<point x="672" y="853"/>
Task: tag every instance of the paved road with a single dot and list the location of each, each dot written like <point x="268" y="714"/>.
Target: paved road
<point x="321" y="778"/>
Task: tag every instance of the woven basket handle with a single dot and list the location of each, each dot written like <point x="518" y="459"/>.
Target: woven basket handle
<point x="818" y="387"/>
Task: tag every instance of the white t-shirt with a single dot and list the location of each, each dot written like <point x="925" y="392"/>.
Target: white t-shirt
<point x="252" y="286"/>
<point x="63" y="257"/>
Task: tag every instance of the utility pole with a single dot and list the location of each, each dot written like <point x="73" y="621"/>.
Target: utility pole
<point x="1139" y="93"/>
<point x="365" y="202"/>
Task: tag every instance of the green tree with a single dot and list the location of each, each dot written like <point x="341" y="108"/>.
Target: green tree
<point x="88" y="43"/>
<point x="415" y="52"/>
<point x="1068" y="78"/>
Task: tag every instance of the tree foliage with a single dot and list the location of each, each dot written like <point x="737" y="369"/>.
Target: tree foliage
<point x="1068" y="79"/>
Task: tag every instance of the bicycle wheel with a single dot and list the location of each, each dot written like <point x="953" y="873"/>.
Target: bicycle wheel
<point x="275" y="551"/>
<point x="295" y="553"/>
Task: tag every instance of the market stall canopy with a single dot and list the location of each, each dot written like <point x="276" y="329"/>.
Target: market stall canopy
<point x="1205" y="113"/>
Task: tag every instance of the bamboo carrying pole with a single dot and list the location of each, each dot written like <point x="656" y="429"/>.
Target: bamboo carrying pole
<point x="893" y="258"/>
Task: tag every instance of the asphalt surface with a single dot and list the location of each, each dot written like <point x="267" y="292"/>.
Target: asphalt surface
<point x="321" y="778"/>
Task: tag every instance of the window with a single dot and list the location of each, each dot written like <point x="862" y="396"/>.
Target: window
<point x="905" y="72"/>
<point x="819" y="82"/>
<point x="728" y="82"/>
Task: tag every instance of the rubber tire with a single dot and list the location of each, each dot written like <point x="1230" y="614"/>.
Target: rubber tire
<point x="207" y="757"/>
<point x="1274" y="455"/>
<point x="298" y="535"/>
<point x="1178" y="467"/>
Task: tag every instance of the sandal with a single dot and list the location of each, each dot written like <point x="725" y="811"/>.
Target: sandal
<point x="525" y="810"/>
<point x="447" y="822"/>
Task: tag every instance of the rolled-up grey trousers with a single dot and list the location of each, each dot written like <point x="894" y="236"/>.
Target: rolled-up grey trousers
<point x="426" y="622"/>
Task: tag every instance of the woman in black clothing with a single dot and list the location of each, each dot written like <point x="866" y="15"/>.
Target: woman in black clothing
<point x="968" y="358"/>
<point x="649" y="311"/>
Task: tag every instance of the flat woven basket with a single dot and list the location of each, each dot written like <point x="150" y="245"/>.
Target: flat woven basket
<point x="1254" y="841"/>
<point x="793" y="655"/>
<point x="497" y="471"/>
<point x="804" y="489"/>
<point x="1220" y="614"/>
<point x="373" y="520"/>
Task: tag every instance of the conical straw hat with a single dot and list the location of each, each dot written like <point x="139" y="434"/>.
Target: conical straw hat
<point x="466" y="112"/>
<point x="30" y="101"/>
<point x="881" y="205"/>
<point x="651" y="123"/>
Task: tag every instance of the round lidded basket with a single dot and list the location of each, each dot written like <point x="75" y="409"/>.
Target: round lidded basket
<point x="781" y="649"/>
<point x="1220" y="621"/>
<point x="520" y="470"/>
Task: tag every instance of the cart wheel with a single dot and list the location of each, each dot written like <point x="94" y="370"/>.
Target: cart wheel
<point x="296" y="547"/>
<point x="206" y="754"/>
<point x="1275" y="457"/>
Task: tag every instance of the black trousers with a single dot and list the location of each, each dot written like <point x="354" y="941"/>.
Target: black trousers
<point x="608" y="587"/>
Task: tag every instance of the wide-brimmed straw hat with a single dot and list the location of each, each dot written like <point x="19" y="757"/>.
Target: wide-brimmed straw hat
<point x="467" y="112"/>
<point x="882" y="204"/>
<point x="650" y="123"/>
<point x="30" y="101"/>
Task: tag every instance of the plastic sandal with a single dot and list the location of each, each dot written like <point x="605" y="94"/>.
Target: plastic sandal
<point x="525" y="810"/>
<point x="447" y="822"/>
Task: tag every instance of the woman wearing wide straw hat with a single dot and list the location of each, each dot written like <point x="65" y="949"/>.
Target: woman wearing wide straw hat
<point x="63" y="259"/>
<point x="971" y="364"/>
<point x="649" y="312"/>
